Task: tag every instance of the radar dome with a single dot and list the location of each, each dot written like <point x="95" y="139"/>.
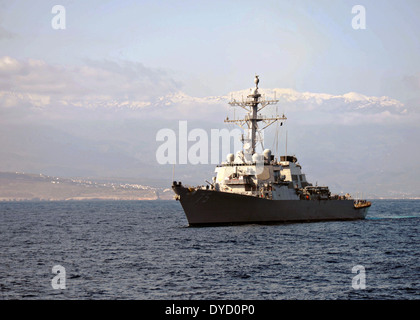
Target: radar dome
<point x="267" y="154"/>
<point x="230" y="157"/>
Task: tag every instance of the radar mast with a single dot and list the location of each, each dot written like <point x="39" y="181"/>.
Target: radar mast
<point x="254" y="104"/>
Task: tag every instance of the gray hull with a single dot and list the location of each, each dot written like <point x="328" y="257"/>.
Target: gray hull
<point x="207" y="207"/>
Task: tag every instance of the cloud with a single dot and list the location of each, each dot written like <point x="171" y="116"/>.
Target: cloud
<point x="129" y="87"/>
<point x="94" y="84"/>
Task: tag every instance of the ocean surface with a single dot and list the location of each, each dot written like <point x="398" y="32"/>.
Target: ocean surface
<point x="145" y="250"/>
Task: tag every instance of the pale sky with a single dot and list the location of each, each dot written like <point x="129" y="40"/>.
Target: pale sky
<point x="88" y="100"/>
<point x="212" y="47"/>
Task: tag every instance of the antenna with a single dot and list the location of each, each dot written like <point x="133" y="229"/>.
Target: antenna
<point x="277" y="135"/>
<point x="286" y="144"/>
<point x="173" y="173"/>
<point x="253" y="104"/>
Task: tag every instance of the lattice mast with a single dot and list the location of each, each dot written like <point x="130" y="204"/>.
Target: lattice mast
<point x="252" y="117"/>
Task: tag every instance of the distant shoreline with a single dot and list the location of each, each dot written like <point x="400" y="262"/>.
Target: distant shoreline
<point x="19" y="186"/>
<point x="141" y="199"/>
<point x="38" y="187"/>
<point x="80" y="199"/>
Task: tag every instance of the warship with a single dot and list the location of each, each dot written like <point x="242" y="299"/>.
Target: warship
<point x="256" y="188"/>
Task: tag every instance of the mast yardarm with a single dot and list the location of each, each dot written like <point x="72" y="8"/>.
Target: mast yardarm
<point x="254" y="104"/>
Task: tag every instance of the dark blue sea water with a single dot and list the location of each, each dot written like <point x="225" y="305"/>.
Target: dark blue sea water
<point x="145" y="250"/>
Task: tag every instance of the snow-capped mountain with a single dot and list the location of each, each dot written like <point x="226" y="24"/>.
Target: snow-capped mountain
<point x="345" y="108"/>
<point x="300" y="100"/>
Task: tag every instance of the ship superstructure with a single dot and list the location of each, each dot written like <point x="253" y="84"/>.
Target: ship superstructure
<point x="251" y="187"/>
